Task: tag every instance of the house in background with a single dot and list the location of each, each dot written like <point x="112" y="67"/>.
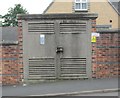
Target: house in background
<point x="108" y="10"/>
<point x="9" y="66"/>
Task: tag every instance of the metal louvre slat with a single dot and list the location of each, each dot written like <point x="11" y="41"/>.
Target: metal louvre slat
<point x="75" y="73"/>
<point x="41" y="67"/>
<point x="73" y="58"/>
<point x="76" y="63"/>
<point x="41" y="71"/>
<point x="72" y="27"/>
<point x="42" y="64"/>
<point x="41" y="76"/>
<point x="73" y="67"/>
<point x="41" y="27"/>
<point x="36" y="66"/>
<point x="48" y="31"/>
<point x="42" y="58"/>
<point x="73" y="24"/>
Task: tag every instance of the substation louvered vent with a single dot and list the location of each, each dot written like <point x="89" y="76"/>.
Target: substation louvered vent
<point x="42" y="68"/>
<point x="41" y="27"/>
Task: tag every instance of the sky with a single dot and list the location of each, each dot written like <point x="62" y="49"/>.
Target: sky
<point x="32" y="6"/>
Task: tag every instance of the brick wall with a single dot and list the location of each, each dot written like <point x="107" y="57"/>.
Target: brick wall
<point x="105" y="55"/>
<point x="20" y="50"/>
<point x="0" y="64"/>
<point x="9" y="64"/>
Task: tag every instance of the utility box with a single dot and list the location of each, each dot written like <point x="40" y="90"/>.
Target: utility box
<point x="57" y="46"/>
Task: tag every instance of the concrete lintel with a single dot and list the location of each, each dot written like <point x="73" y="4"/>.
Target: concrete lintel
<point x="57" y="16"/>
<point x="109" y="31"/>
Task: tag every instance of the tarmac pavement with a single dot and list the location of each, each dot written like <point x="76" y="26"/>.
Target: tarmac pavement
<point x="61" y="87"/>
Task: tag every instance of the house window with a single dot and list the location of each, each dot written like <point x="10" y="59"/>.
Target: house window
<point x="81" y="5"/>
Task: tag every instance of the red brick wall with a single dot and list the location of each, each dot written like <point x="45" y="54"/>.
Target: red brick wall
<point x="20" y="50"/>
<point x="9" y="64"/>
<point x="106" y="56"/>
<point x="0" y="64"/>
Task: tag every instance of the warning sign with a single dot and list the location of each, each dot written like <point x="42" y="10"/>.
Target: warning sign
<point x="96" y="34"/>
<point x="93" y="39"/>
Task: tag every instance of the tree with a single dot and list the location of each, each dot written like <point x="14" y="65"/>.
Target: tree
<point x="10" y="19"/>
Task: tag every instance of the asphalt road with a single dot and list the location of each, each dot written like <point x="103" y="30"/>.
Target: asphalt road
<point x="101" y="94"/>
<point x="60" y="87"/>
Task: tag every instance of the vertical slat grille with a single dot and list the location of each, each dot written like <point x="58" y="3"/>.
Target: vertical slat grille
<point x="73" y="27"/>
<point x="41" y="27"/>
<point x="73" y="67"/>
<point x="42" y="68"/>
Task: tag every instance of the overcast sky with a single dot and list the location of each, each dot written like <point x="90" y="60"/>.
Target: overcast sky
<point x="32" y="6"/>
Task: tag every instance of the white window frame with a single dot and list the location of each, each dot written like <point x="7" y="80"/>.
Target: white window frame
<point x="81" y="2"/>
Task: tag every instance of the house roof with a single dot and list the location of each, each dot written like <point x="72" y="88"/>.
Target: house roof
<point x="9" y="35"/>
<point x="48" y="7"/>
<point x="115" y="5"/>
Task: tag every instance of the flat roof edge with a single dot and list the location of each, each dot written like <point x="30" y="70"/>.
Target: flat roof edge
<point x="9" y="43"/>
<point x="57" y="16"/>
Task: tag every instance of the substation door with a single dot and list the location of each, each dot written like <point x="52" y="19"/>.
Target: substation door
<point x="73" y="41"/>
<point x="59" y="49"/>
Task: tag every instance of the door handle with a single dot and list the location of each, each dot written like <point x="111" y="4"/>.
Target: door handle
<point x="59" y="49"/>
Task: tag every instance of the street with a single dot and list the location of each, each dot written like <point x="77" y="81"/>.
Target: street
<point x="100" y="94"/>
